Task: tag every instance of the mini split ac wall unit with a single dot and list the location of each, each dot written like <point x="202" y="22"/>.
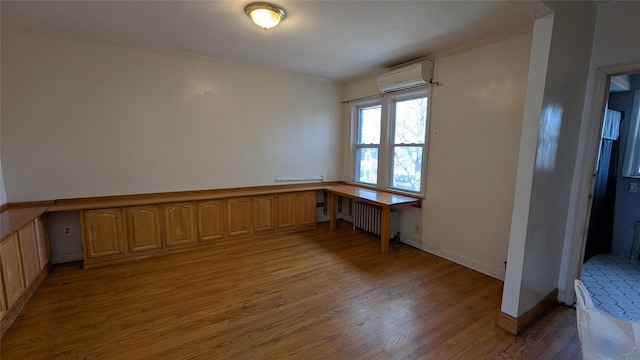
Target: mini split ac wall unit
<point x="406" y="77"/>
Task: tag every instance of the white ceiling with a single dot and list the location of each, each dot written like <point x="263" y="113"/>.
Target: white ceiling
<point x="336" y="40"/>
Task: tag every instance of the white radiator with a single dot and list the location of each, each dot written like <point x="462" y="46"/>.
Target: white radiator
<point x="368" y="218"/>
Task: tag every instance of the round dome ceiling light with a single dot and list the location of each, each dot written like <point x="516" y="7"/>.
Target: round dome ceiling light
<point x="264" y="14"/>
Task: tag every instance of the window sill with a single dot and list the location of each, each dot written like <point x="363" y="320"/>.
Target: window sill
<point x="393" y="191"/>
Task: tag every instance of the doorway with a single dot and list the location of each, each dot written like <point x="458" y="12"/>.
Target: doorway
<point x="611" y="270"/>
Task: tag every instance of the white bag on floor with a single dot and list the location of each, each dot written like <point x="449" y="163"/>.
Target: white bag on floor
<point x="603" y="336"/>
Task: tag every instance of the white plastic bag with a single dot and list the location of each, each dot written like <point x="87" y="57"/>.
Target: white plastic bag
<point x="603" y="336"/>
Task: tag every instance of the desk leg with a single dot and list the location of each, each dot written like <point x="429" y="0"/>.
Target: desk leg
<point x="384" y="229"/>
<point x="333" y="211"/>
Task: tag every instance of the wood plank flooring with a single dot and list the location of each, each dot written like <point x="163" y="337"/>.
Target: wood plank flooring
<point x="320" y="294"/>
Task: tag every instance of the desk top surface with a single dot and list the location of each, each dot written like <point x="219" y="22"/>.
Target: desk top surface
<point x="373" y="196"/>
<point x="13" y="219"/>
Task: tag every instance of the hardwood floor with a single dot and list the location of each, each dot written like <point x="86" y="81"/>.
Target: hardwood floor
<point x="320" y="294"/>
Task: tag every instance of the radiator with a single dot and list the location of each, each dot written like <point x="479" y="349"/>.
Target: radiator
<point x="368" y="218"/>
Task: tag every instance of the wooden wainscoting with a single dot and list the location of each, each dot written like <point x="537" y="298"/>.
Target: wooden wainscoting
<point x="315" y="294"/>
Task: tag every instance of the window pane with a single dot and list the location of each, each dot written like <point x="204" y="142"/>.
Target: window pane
<point x="369" y="125"/>
<point x="410" y="121"/>
<point x="367" y="165"/>
<point x="407" y="168"/>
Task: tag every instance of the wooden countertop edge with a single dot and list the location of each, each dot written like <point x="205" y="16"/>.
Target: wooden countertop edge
<point x="176" y="197"/>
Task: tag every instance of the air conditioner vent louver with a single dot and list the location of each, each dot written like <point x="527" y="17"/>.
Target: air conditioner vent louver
<point x="406" y="77"/>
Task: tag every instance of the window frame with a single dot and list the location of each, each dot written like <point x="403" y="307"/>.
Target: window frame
<point x="355" y="132"/>
<point x="387" y="138"/>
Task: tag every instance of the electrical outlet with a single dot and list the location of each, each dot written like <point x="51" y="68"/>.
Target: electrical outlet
<point x="66" y="230"/>
<point x="436" y="131"/>
<point x="416" y="228"/>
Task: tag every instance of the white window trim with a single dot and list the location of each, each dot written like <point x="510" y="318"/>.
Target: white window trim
<point x="386" y="138"/>
<point x="354" y="139"/>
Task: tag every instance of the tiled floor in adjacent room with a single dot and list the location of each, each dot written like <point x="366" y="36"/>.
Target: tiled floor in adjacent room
<point x="614" y="285"/>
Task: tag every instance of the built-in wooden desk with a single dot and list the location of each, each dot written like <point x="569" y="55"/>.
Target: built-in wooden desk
<point x="13" y="219"/>
<point x="382" y="199"/>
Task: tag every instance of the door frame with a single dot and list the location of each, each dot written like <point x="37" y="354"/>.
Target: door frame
<point x="584" y="179"/>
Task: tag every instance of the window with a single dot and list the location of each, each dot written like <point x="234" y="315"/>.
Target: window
<point x="389" y="141"/>
<point x="368" y="144"/>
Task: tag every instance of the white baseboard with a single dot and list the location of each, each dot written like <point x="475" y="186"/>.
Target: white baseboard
<point x="339" y="216"/>
<point x="65" y="258"/>
<point x="497" y="273"/>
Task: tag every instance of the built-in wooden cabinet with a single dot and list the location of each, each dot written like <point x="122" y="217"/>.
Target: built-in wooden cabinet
<point x="286" y="204"/>
<point x="21" y="268"/>
<point x="306" y="208"/>
<point x="296" y="209"/>
<point x="143" y="228"/>
<point x="239" y="211"/>
<point x="179" y="224"/>
<point x="29" y="252"/>
<point x="44" y="253"/>
<point x="134" y="232"/>
<point x="103" y="233"/>
<point x="211" y="216"/>
<point x="264" y="213"/>
<point x="12" y="273"/>
<point x="3" y="302"/>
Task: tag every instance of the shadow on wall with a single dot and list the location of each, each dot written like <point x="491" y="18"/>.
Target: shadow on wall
<point x="65" y="236"/>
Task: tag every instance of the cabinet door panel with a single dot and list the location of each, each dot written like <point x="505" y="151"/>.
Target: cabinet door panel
<point x="143" y="228"/>
<point x="306" y="212"/>
<point x="103" y="232"/>
<point x="263" y="213"/>
<point x="12" y="269"/>
<point x="211" y="216"/>
<point x="29" y="252"/>
<point x="44" y="254"/>
<point x="239" y="216"/>
<point x="3" y="301"/>
<point x="179" y="224"/>
<point x="286" y="210"/>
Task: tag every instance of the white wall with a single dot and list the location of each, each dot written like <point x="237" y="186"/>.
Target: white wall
<point x="557" y="138"/>
<point x="526" y="160"/>
<point x="3" y="195"/>
<point x="471" y="165"/>
<point x="615" y="50"/>
<point x="65" y="246"/>
<point x="84" y="119"/>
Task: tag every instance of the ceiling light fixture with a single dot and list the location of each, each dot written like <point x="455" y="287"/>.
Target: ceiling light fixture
<point x="264" y="14"/>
